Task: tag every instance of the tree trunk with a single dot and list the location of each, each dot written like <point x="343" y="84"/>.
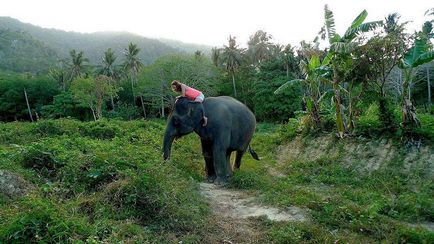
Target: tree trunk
<point x="93" y="113"/>
<point x="233" y="83"/>
<point x="162" y="107"/>
<point x="339" y="118"/>
<point x="111" y="95"/>
<point x="28" y="105"/>
<point x="287" y="71"/>
<point x="143" y="107"/>
<point x="429" y="87"/>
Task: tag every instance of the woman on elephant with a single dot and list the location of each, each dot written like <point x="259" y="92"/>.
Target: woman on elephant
<point x="191" y="94"/>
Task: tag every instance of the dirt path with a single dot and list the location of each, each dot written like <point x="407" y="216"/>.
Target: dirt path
<point x="234" y="213"/>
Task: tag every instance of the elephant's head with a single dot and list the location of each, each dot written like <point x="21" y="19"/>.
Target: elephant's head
<point x="184" y="119"/>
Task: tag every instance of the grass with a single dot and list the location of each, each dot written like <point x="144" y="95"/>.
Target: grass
<point x="345" y="204"/>
<point x="107" y="182"/>
<point x="101" y="181"/>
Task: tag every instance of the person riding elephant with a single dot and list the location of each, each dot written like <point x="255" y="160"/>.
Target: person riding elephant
<point x="230" y="128"/>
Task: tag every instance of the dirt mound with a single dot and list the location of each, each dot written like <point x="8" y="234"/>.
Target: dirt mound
<point x="12" y="185"/>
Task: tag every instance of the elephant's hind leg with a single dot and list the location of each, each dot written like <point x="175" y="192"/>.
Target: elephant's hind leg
<point x="238" y="159"/>
<point x="209" y="160"/>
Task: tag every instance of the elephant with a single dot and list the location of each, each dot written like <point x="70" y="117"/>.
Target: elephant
<point x="230" y="127"/>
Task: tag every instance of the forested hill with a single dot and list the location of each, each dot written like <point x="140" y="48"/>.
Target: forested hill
<point x="25" y="47"/>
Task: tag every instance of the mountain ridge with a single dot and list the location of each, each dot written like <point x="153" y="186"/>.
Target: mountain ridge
<point x="92" y="44"/>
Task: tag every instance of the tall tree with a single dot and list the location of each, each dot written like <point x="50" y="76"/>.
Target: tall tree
<point x="259" y="46"/>
<point x="109" y="70"/>
<point x="231" y="58"/>
<point x="340" y="50"/>
<point x="215" y="56"/>
<point x="77" y="65"/>
<point x="132" y="65"/>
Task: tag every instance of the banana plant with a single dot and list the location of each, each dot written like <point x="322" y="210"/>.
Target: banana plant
<point x="417" y="55"/>
<point x="340" y="49"/>
<point x="312" y="80"/>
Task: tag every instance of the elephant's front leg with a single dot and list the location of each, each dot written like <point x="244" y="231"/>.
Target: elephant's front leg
<point x="221" y="164"/>
<point x="209" y="161"/>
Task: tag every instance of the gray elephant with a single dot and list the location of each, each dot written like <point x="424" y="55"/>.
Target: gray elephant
<point x="230" y="128"/>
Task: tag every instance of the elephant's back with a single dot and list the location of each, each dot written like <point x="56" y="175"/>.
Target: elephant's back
<point x="235" y="115"/>
<point x="230" y="104"/>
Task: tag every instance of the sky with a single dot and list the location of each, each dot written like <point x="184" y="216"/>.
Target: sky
<point x="205" y="21"/>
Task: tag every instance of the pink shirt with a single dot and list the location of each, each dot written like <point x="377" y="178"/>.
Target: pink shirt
<point x="191" y="93"/>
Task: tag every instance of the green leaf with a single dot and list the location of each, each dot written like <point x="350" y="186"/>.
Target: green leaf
<point x="286" y="85"/>
<point x="327" y="59"/>
<point x="414" y="52"/>
<point x="359" y="19"/>
<point x="342" y="47"/>
<point x="424" y="58"/>
<point x="351" y="33"/>
<point x="314" y="62"/>
<point x="329" y="23"/>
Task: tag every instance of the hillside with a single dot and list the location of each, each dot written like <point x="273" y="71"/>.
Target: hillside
<point x="93" y="45"/>
<point x="19" y="51"/>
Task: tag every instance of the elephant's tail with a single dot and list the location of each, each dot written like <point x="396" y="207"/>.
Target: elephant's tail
<point x="253" y="153"/>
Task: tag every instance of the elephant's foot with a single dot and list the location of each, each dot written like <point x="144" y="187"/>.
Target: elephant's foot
<point x="211" y="178"/>
<point x="222" y="180"/>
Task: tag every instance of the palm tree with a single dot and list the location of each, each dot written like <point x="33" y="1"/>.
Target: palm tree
<point x="132" y="65"/>
<point x="77" y="65"/>
<point x="340" y="49"/>
<point x="259" y="47"/>
<point x="231" y="58"/>
<point x="215" y="56"/>
<point x="109" y="70"/>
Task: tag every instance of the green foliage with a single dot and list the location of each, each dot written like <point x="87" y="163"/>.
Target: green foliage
<point x="123" y="111"/>
<point x="21" y="52"/>
<point x="93" y="189"/>
<point x="93" y="45"/>
<point x="42" y="158"/>
<point x="42" y="222"/>
<point x="426" y="130"/>
<point x="275" y="107"/>
<point x="100" y="130"/>
<point x="289" y="130"/>
<point x="40" y="91"/>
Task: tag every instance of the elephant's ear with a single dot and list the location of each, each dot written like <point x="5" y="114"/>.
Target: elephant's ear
<point x="190" y="108"/>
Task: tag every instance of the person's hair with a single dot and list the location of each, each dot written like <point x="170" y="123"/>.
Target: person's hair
<point x="177" y="85"/>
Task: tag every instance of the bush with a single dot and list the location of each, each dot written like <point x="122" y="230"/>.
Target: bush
<point x="99" y="130"/>
<point x="48" y="127"/>
<point x="124" y="111"/>
<point x="42" y="158"/>
<point x="369" y="123"/>
<point x="288" y="131"/>
<point x="42" y="223"/>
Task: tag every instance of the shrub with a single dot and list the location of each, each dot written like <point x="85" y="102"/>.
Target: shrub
<point x="42" y="223"/>
<point x="42" y="158"/>
<point x="124" y="111"/>
<point x="48" y="127"/>
<point x="288" y="131"/>
<point x="99" y="130"/>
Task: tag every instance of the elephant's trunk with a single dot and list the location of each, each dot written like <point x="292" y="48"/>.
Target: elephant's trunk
<point x="168" y="140"/>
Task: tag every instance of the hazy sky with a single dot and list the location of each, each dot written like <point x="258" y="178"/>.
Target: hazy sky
<point x="205" y="21"/>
